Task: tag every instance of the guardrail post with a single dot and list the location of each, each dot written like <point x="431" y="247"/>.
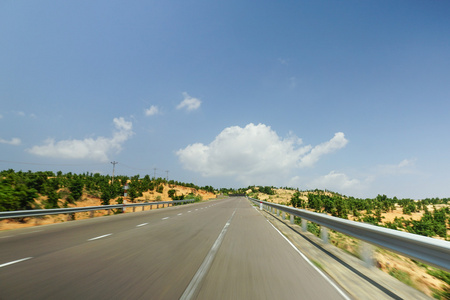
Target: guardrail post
<point x="134" y="208"/>
<point x="278" y="212"/>
<point x="70" y="217"/>
<point x="304" y="225"/>
<point x="292" y="219"/>
<point x="283" y="215"/>
<point x="143" y="207"/>
<point x="92" y="213"/>
<point x="324" y="234"/>
<point x="366" y="251"/>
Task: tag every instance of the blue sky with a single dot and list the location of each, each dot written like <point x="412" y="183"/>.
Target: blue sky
<point x="352" y="96"/>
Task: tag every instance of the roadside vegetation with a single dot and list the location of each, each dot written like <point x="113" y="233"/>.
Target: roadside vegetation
<point x="428" y="217"/>
<point x="44" y="190"/>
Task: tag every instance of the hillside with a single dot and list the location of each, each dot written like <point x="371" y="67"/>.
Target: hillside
<point x="87" y="199"/>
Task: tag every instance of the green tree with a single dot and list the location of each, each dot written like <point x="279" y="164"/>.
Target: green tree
<point x="296" y="201"/>
<point x="8" y="201"/>
<point x="76" y="187"/>
<point x="25" y="197"/>
<point x="171" y="193"/>
<point x="106" y="194"/>
<point x="52" y="200"/>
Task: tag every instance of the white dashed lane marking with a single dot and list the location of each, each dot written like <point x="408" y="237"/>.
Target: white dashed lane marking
<point x="14" y="262"/>
<point x="100" y="237"/>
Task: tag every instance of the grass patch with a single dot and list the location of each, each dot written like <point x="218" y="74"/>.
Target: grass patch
<point x="442" y="275"/>
<point x="402" y="276"/>
<point x="441" y="295"/>
<point x="317" y="264"/>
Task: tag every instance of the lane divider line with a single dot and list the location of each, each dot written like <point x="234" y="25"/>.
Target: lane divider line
<point x="100" y="237"/>
<point x="165" y="218"/>
<point x="143" y="224"/>
<point x="179" y="214"/>
<point x="14" y="262"/>
<point x="201" y="272"/>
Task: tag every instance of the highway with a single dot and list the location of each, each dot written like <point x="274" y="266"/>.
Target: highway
<point x="221" y="249"/>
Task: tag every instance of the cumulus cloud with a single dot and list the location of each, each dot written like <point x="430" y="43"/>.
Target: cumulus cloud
<point x="254" y="152"/>
<point x="334" y="181"/>
<point x="153" y="110"/>
<point x="189" y="103"/>
<point x="13" y="141"/>
<point x="89" y="148"/>
<point x="337" y="142"/>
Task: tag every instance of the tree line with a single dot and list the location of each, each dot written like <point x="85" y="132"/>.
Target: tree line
<point x="432" y="223"/>
<point x="19" y="190"/>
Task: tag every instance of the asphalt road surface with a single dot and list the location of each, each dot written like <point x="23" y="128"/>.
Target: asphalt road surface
<point x="221" y="249"/>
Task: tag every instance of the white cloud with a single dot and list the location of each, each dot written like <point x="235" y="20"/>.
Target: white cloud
<point x="13" y="141"/>
<point x="334" y="181"/>
<point x="407" y="163"/>
<point x="253" y="153"/>
<point x="153" y="110"/>
<point x="189" y="103"/>
<point x="89" y="148"/>
<point x="337" y="142"/>
<point x="23" y="114"/>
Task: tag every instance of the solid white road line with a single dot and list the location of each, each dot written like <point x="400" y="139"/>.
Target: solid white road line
<point x="201" y="272"/>
<point x="99" y="237"/>
<point x="143" y="224"/>
<point x="14" y="262"/>
<point x="179" y="214"/>
<point x="314" y="266"/>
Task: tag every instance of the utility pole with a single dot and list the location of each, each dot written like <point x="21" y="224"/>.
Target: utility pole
<point x="114" y="166"/>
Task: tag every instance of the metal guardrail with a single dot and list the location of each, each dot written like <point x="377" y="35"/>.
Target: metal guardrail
<point x="58" y="211"/>
<point x="428" y="250"/>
